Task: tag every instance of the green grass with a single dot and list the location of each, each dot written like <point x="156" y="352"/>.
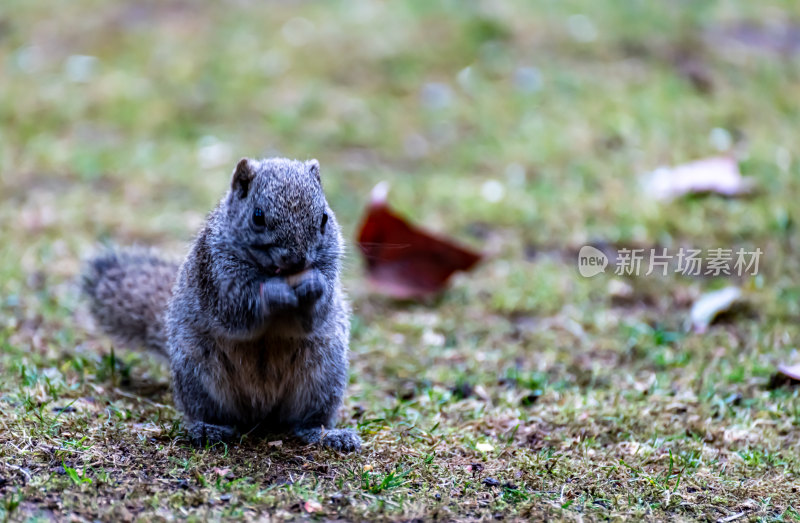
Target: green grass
<point x="525" y="391"/>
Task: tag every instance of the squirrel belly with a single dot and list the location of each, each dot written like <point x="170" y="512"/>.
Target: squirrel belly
<point x="254" y="321"/>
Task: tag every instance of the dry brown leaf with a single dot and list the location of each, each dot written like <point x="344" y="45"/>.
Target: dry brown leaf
<point x="402" y="260"/>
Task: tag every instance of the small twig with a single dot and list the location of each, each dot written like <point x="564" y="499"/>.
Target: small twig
<point x="24" y="472"/>
<point x="139" y="398"/>
<point x="54" y="449"/>
<point x="732" y="518"/>
<point x="251" y="430"/>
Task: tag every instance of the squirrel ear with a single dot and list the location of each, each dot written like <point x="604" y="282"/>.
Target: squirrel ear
<point x="242" y="176"/>
<point x="313" y="168"/>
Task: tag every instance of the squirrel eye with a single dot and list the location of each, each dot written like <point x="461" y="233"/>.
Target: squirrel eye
<point x="258" y="218"/>
<point x="324" y="221"/>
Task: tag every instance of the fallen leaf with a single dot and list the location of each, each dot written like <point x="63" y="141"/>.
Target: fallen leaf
<point x="312" y="506"/>
<point x="710" y="305"/>
<point x="718" y="174"/>
<point x="481" y="392"/>
<point x="620" y="290"/>
<point x="403" y="261"/>
<point x="790" y="371"/>
<point x="778" y="39"/>
<point x="785" y="375"/>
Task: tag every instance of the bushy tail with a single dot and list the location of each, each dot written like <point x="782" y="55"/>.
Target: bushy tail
<point x="128" y="291"/>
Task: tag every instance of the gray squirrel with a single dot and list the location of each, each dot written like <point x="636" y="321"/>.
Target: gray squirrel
<point x="254" y="322"/>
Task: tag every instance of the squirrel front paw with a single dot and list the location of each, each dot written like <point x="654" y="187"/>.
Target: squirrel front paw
<point x="277" y="295"/>
<point x="202" y="433"/>
<point x="309" y="287"/>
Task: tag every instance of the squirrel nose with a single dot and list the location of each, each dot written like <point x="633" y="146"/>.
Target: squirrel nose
<point x="291" y="263"/>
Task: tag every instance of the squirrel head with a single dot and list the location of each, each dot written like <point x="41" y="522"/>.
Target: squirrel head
<point x="276" y="216"/>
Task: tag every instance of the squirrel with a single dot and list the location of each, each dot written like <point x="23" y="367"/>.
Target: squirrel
<point x="254" y="322"/>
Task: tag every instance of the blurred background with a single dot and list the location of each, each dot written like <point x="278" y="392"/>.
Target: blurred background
<point x="521" y="129"/>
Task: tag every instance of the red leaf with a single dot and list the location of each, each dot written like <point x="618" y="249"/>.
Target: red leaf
<point x="404" y="261"/>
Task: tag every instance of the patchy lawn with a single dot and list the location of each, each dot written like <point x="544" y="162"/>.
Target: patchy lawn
<point x="524" y="392"/>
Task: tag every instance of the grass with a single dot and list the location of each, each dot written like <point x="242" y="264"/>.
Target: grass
<point x="525" y="391"/>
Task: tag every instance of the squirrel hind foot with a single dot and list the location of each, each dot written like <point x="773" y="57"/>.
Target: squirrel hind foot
<point x="343" y="440"/>
<point x="202" y="433"/>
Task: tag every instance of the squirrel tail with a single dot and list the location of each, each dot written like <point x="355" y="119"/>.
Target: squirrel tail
<point x="128" y="292"/>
